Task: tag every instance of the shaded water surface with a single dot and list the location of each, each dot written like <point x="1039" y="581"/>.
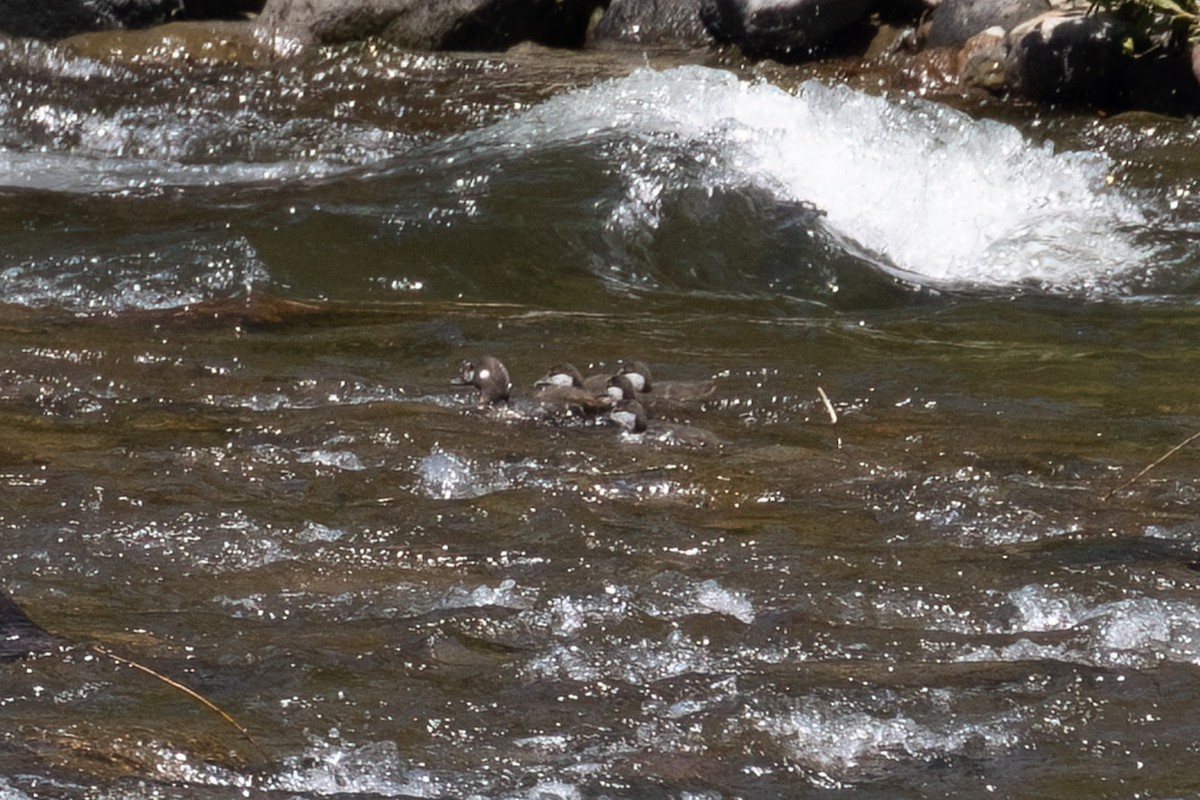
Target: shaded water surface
<point x="233" y="300"/>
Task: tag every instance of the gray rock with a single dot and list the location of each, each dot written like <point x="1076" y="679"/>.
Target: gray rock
<point x="430" y="24"/>
<point x="56" y="19"/>
<point x="953" y="22"/>
<point x="1071" y="58"/>
<point x="661" y="22"/>
<point x="981" y="61"/>
<point x="781" y="29"/>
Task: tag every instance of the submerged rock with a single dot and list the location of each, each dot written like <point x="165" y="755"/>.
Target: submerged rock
<point x="782" y="29"/>
<point x="175" y="42"/>
<point x="19" y="635"/>
<point x="42" y="19"/>
<point x="424" y="25"/>
<point x="661" y="22"/>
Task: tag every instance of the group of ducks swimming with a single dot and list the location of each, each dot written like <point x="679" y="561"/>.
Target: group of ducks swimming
<point x="622" y="398"/>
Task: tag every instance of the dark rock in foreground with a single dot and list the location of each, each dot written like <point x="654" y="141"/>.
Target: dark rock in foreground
<point x="55" y="19"/>
<point x="426" y="25"/>
<point x="670" y="23"/>
<point x="782" y="29"/>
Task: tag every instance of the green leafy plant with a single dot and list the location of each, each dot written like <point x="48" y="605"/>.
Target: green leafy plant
<point x="1156" y="23"/>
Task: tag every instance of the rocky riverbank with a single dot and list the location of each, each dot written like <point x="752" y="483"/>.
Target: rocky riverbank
<point x="1056" y="52"/>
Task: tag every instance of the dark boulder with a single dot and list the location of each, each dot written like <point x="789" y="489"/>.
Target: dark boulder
<point x="19" y="635"/>
<point x="1163" y="81"/>
<point x="220" y="9"/>
<point x="1070" y="58"/>
<point x="953" y="22"/>
<point x="781" y="29"/>
<point x="55" y="19"/>
<point x="425" y="25"/>
<point x="660" y="22"/>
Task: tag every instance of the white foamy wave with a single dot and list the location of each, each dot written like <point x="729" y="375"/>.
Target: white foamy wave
<point x="10" y="792"/>
<point x="1137" y="631"/>
<point x="929" y="191"/>
<point x="642" y="662"/>
<point x="551" y="790"/>
<point x="335" y="767"/>
<point x="712" y="596"/>
<point x="442" y="475"/>
<point x="506" y="595"/>
<point x="342" y="460"/>
<point x="844" y="742"/>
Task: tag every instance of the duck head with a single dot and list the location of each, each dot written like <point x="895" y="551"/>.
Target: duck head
<point x="620" y="387"/>
<point x="564" y="374"/>
<point x="629" y="414"/>
<point x="638" y="373"/>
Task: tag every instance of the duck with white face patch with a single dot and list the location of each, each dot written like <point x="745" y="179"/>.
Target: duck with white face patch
<point x="567" y="374"/>
<point x="489" y="376"/>
<point x="564" y="390"/>
<point x="561" y="395"/>
<point x="629" y="415"/>
<point x="670" y="394"/>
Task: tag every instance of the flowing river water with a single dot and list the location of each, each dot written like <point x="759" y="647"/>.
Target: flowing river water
<point x="232" y="299"/>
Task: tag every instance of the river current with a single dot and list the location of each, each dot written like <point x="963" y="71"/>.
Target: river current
<point x="232" y="299"/>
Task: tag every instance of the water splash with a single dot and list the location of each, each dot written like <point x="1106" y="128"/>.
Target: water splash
<point x="335" y="767"/>
<point x="847" y="742"/>
<point x="446" y="476"/>
<point x="923" y="190"/>
<point x="1130" y="632"/>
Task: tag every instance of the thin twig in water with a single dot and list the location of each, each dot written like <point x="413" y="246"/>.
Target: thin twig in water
<point x="833" y="416"/>
<point x="186" y="690"/>
<point x="1156" y="462"/>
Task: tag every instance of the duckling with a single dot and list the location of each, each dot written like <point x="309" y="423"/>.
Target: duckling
<point x="567" y="374"/>
<point x="563" y="391"/>
<point x="630" y="415"/>
<point x="674" y="393"/>
<point x="489" y="376"/>
<point x="619" y="388"/>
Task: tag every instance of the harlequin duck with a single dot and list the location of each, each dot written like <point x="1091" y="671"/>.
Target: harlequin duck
<point x="619" y="387"/>
<point x="567" y="374"/>
<point x="630" y="415"/>
<point x="489" y="376"/>
<point x="563" y="389"/>
<point x="673" y="393"/>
